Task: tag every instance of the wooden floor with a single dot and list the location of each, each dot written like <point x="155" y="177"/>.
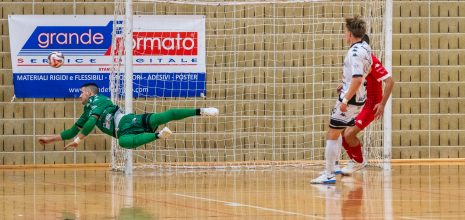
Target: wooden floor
<point x="405" y="192"/>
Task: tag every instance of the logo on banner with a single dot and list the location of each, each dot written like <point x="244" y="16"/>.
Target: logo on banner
<point x="80" y="43"/>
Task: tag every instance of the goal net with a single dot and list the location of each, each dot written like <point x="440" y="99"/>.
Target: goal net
<point x="272" y="68"/>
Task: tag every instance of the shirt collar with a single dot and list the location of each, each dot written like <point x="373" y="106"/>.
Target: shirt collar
<point x="356" y="43"/>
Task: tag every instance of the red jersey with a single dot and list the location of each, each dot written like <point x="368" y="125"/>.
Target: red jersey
<point x="374" y="82"/>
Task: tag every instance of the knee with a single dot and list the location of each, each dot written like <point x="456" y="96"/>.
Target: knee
<point x="350" y="133"/>
<point x="124" y="145"/>
<point x="125" y="142"/>
<point x="333" y="134"/>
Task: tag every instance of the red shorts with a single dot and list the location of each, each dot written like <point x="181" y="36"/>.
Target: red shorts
<point x="365" y="117"/>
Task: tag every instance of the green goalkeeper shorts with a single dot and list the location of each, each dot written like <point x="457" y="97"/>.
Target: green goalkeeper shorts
<point x="133" y="124"/>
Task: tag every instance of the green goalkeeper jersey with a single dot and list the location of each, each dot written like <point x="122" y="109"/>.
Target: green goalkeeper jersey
<point x="102" y="107"/>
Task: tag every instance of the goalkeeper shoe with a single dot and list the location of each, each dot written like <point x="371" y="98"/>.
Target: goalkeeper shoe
<point x="209" y="111"/>
<point x="164" y="133"/>
<point x="351" y="167"/>
<point x="325" y="178"/>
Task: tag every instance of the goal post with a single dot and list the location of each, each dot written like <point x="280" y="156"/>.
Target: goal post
<point x="122" y="158"/>
<point x="271" y="68"/>
<point x="128" y="73"/>
<point x="387" y="144"/>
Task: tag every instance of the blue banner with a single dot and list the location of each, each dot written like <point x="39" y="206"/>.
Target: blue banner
<point x="169" y="58"/>
<point x="46" y="85"/>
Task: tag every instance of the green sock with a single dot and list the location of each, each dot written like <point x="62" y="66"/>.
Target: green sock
<point x="157" y="119"/>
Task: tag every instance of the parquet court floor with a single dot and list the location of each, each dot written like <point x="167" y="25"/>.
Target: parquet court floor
<point x="408" y="191"/>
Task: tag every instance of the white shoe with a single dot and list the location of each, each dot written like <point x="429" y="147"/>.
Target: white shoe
<point x="164" y="133"/>
<point x="351" y="167"/>
<point x="209" y="111"/>
<point x="337" y="170"/>
<point x="324" y="178"/>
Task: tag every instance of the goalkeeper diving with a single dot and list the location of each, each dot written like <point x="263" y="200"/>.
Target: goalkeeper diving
<point x="131" y="130"/>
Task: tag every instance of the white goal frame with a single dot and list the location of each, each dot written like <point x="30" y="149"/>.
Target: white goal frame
<point x="387" y="127"/>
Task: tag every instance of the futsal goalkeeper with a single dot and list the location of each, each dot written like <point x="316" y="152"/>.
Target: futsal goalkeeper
<point x="132" y="130"/>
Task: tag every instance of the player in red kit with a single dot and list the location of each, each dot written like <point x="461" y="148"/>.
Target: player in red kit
<point x="373" y="109"/>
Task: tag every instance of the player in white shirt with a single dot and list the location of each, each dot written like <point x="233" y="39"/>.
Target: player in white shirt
<point x="357" y="64"/>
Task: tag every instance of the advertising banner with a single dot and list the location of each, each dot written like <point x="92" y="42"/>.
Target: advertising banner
<point x="168" y="54"/>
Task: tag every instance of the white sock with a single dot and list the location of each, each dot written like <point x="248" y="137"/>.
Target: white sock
<point x="331" y="155"/>
<point x="339" y="148"/>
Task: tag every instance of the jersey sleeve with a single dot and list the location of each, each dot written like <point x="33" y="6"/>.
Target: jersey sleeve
<point x="83" y="119"/>
<point x="379" y="72"/>
<point x="69" y="133"/>
<point x="89" y="126"/>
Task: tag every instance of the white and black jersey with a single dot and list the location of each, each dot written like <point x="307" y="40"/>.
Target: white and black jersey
<point x="357" y="63"/>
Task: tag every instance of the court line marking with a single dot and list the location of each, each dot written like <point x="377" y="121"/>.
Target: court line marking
<point x="248" y="206"/>
<point x="139" y="197"/>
